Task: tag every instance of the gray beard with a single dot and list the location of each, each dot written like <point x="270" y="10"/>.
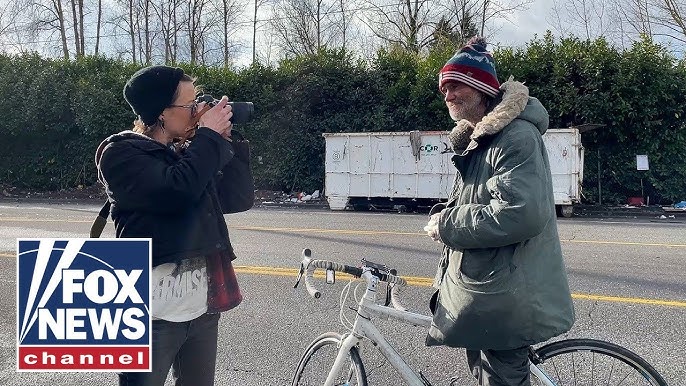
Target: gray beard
<point x="471" y="112"/>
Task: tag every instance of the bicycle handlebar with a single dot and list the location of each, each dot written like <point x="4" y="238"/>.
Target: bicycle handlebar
<point x="308" y="266"/>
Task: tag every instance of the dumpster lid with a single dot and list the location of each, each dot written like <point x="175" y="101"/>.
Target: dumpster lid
<point x="588" y="127"/>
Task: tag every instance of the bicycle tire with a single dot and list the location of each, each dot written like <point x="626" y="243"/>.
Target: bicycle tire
<point x="312" y="372"/>
<point x="631" y="366"/>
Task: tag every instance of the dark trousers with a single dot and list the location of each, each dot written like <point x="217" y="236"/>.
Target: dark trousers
<point x="189" y="347"/>
<point x="500" y="367"/>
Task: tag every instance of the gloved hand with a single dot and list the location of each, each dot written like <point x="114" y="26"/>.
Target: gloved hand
<point x="431" y="227"/>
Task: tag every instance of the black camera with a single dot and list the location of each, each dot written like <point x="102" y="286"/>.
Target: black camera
<point x="242" y="111"/>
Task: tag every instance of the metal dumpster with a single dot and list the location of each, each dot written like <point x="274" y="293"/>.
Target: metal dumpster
<point x="408" y="169"/>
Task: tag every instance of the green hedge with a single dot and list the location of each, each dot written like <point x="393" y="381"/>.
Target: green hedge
<point x="638" y="94"/>
<point x="56" y="112"/>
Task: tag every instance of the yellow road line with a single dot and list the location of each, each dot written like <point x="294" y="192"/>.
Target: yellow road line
<point x="366" y="232"/>
<point x="427" y="282"/>
<point x="21" y="219"/>
<point x="319" y="230"/>
<point x="653" y="302"/>
<point x="623" y="243"/>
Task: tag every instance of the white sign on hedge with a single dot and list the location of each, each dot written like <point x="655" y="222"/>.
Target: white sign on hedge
<point x="642" y="162"/>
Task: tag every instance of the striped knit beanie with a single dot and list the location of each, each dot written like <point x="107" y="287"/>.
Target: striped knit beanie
<point x="473" y="66"/>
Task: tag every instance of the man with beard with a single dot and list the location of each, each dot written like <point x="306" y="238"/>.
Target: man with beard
<point x="501" y="281"/>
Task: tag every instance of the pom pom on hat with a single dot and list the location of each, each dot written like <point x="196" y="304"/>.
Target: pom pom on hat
<point x="472" y="65"/>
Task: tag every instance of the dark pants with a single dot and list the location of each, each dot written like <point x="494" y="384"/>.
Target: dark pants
<point x="500" y="368"/>
<point x="190" y="347"/>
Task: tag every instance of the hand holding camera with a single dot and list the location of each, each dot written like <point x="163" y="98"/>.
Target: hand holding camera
<point x="217" y="117"/>
<point x="242" y="111"/>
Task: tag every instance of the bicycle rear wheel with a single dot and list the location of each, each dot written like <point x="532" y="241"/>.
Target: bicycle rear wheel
<point x="318" y="358"/>
<point x="581" y="362"/>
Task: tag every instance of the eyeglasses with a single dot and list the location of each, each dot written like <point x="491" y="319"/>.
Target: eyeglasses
<point x="193" y="106"/>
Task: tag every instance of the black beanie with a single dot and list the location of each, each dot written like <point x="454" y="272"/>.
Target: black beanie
<point x="151" y="89"/>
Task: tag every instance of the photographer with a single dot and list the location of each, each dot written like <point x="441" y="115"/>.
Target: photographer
<point x="176" y="198"/>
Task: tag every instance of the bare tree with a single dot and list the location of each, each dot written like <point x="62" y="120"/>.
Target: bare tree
<point x="209" y="42"/>
<point x="654" y="19"/>
<point x="5" y="17"/>
<point x="454" y="33"/>
<point x="98" y="26"/>
<point x="194" y="28"/>
<point x="77" y="36"/>
<point x="307" y="26"/>
<point x="58" y="17"/>
<point x="590" y="16"/>
<point x="175" y="40"/>
<point x="48" y="16"/>
<point x="166" y="13"/>
<point x="146" y="16"/>
<point x="638" y="14"/>
<point x="257" y="5"/>
<point x="198" y="31"/>
<point x="82" y="35"/>
<point x="672" y="17"/>
<point x="130" y="17"/>
<point x="489" y="11"/>
<point x="408" y="24"/>
<point x="462" y="20"/>
<point x="131" y="26"/>
<point x="228" y="12"/>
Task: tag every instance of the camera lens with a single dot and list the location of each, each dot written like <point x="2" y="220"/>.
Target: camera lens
<point x="242" y="112"/>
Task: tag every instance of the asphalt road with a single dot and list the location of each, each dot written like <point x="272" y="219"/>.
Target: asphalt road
<point x="628" y="280"/>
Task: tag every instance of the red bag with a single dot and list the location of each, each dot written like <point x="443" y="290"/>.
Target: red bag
<point x="223" y="293"/>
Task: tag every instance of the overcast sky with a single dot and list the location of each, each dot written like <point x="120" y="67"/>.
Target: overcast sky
<point x="523" y="25"/>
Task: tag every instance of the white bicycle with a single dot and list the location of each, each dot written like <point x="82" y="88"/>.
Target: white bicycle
<point x="568" y="362"/>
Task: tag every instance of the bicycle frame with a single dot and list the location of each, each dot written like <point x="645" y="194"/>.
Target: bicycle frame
<point x="363" y="327"/>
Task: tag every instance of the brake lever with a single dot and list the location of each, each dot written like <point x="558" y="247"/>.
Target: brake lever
<point x="389" y="288"/>
<point x="307" y="253"/>
<point x="300" y="275"/>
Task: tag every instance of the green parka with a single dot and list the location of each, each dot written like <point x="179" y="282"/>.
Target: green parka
<point x="501" y="282"/>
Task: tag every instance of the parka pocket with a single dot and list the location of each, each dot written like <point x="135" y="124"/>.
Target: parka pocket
<point x="488" y="270"/>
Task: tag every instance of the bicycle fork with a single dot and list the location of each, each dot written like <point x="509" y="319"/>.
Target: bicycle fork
<point x="348" y="342"/>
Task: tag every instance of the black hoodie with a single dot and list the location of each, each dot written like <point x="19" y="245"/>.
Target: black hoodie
<point x="169" y="197"/>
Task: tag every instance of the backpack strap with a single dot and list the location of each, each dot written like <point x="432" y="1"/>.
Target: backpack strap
<point x="101" y="220"/>
<point x="99" y="223"/>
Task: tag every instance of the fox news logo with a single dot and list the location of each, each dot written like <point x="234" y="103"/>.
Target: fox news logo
<point x="83" y="304"/>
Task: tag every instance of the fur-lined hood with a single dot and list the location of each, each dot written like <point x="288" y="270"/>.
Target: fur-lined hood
<point x="515" y="104"/>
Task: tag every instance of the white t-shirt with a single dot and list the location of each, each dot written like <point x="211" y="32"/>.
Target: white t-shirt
<point x="179" y="291"/>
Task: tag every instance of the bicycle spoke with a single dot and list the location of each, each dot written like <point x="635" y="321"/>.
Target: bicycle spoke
<point x="610" y="376"/>
<point x="574" y="369"/>
<point x="559" y="378"/>
<point x="623" y="379"/>
<point x="590" y="365"/>
<point x="351" y="374"/>
<point x="593" y="369"/>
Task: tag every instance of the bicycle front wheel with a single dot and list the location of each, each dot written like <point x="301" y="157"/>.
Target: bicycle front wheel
<point x="318" y="358"/>
<point x="583" y="362"/>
